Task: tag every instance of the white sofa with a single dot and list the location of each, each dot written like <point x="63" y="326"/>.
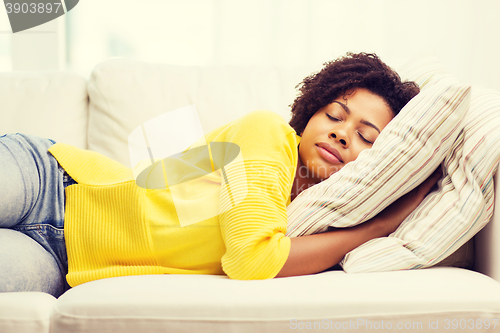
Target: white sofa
<point x="99" y="113"/>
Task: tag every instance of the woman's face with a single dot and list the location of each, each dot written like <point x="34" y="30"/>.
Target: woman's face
<point x="338" y="132"/>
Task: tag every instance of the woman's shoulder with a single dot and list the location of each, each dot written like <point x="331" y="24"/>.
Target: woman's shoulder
<point x="263" y="118"/>
<point x="261" y="124"/>
<point x="261" y="133"/>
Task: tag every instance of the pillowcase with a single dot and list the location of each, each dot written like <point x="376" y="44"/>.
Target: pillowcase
<point x="463" y="204"/>
<point x="405" y="153"/>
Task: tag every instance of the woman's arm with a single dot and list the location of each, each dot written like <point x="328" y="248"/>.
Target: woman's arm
<point x="315" y="253"/>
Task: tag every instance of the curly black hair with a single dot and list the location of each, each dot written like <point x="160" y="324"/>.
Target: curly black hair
<point x="361" y="70"/>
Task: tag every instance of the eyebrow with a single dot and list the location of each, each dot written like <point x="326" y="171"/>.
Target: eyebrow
<point x="364" y="122"/>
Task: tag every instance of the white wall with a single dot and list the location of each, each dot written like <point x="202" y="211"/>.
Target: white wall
<point x="39" y="48"/>
<point x="5" y="43"/>
<point x="463" y="33"/>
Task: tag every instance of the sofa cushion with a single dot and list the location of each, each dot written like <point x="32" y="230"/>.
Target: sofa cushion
<point x="125" y="94"/>
<point x="25" y="312"/>
<point x="52" y="104"/>
<point x="204" y="303"/>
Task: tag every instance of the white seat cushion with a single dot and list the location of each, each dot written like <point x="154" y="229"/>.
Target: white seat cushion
<point x="25" y="312"/>
<point x="124" y="94"/>
<point x="52" y="104"/>
<point x="201" y="303"/>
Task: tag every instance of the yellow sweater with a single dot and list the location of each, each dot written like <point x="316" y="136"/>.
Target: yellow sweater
<point x="113" y="227"/>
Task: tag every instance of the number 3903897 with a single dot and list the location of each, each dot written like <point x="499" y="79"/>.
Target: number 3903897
<point x="32" y="8"/>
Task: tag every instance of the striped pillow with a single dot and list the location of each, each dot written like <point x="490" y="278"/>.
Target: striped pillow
<point x="463" y="204"/>
<point x="406" y="152"/>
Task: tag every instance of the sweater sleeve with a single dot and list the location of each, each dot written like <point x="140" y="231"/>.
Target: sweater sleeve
<point x="253" y="216"/>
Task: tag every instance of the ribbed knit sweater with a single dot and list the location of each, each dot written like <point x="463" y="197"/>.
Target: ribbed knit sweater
<point x="114" y="227"/>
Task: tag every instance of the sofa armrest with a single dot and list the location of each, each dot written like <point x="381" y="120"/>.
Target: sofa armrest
<point x="487" y="241"/>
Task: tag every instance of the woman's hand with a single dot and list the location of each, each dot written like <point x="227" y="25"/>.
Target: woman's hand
<point x="390" y="218"/>
<point x="315" y="253"/>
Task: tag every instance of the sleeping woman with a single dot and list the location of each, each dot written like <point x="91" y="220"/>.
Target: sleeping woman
<point x="69" y="216"/>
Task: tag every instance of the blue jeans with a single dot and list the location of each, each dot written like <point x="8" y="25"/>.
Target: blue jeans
<point x="32" y="248"/>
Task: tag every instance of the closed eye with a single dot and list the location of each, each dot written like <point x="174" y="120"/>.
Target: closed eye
<point x="363" y="138"/>
<point x="332" y="118"/>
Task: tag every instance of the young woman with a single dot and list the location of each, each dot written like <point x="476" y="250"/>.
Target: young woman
<point x="63" y="207"/>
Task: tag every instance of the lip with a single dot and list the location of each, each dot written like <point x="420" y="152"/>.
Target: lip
<point x="329" y="153"/>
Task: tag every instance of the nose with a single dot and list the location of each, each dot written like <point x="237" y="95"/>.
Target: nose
<point x="340" y="136"/>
